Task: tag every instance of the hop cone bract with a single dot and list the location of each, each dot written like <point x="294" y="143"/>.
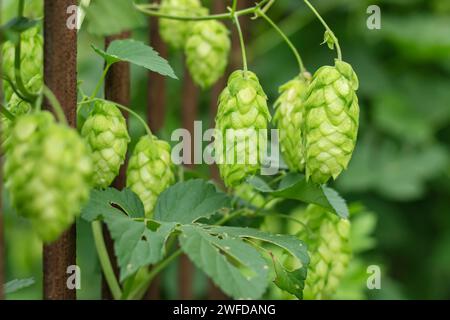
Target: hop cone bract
<point x="105" y="131"/>
<point x="207" y="50"/>
<point x="31" y="59"/>
<point x="331" y="124"/>
<point x="242" y="120"/>
<point x="289" y="119"/>
<point x="150" y="171"/>
<point x="176" y="32"/>
<point x="47" y="172"/>
<point x="328" y="240"/>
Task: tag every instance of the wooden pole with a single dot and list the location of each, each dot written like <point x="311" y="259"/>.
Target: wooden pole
<point x="60" y="75"/>
<point x="117" y="89"/>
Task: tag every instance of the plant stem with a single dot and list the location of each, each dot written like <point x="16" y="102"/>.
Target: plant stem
<point x="335" y="39"/>
<point x="6" y="113"/>
<point x="103" y="256"/>
<point x="100" y="81"/>
<point x="155" y="13"/>
<point x="60" y="115"/>
<point x="233" y="7"/>
<point x="241" y="40"/>
<point x="137" y="116"/>
<point x="140" y="290"/>
<point x="286" y="39"/>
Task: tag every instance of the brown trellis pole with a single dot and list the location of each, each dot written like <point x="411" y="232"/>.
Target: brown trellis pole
<point x="117" y="89"/>
<point x="60" y="75"/>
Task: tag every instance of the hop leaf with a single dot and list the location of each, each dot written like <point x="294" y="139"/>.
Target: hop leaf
<point x="207" y="50"/>
<point x="47" y="172"/>
<point x="289" y="118"/>
<point x="176" y="32"/>
<point x="150" y="171"/>
<point x="31" y="59"/>
<point x="242" y="112"/>
<point x="327" y="237"/>
<point x="331" y="124"/>
<point x="105" y="131"/>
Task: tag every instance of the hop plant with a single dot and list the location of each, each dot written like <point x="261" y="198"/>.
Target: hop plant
<point x="331" y="124"/>
<point x="328" y="240"/>
<point x="207" y="50"/>
<point x="31" y="59"/>
<point x="17" y="107"/>
<point x="176" y="32"/>
<point x="289" y="119"/>
<point x="150" y="171"/>
<point x="47" y="172"/>
<point x="242" y="113"/>
<point x="105" y="131"/>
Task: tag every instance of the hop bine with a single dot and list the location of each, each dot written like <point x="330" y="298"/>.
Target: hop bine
<point x="175" y="32"/>
<point x="331" y="124"/>
<point x="289" y="119"/>
<point x="242" y="120"/>
<point x="47" y="172"/>
<point x="328" y="240"/>
<point x="207" y="50"/>
<point x="150" y="171"/>
<point x="105" y="131"/>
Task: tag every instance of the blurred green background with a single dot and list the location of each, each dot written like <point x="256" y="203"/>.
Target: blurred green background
<point x="400" y="170"/>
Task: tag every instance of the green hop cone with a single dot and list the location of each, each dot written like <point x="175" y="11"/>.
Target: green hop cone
<point x="17" y="107"/>
<point x="150" y="171"/>
<point x="47" y="172"/>
<point x="328" y="240"/>
<point x="105" y="131"/>
<point x="289" y="119"/>
<point x="242" y="121"/>
<point x="207" y="50"/>
<point x="31" y="59"/>
<point x="175" y="32"/>
<point x="331" y="123"/>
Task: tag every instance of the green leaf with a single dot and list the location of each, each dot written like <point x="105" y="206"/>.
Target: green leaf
<point x="18" y="284"/>
<point x="294" y="186"/>
<point x="108" y="17"/>
<point x="137" y="53"/>
<point x="135" y="244"/>
<point x="110" y="202"/>
<point x="12" y="29"/>
<point x="292" y="281"/>
<point x="186" y="202"/>
<point x="235" y="266"/>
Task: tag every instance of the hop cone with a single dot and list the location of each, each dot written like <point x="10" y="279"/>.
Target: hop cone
<point x="207" y="50"/>
<point x="31" y="59"/>
<point x="331" y="124"/>
<point x="150" y="171"/>
<point x="242" y="112"/>
<point x="47" y="172"/>
<point x="17" y="107"/>
<point x="176" y="32"/>
<point x="329" y="248"/>
<point x="105" y="131"/>
<point x="289" y="119"/>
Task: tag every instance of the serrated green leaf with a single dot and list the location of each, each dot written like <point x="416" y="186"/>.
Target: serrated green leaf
<point x="186" y="202"/>
<point x="294" y="186"/>
<point x="18" y="284"/>
<point x="104" y="203"/>
<point x="135" y="244"/>
<point x="292" y="282"/>
<point x="108" y="17"/>
<point x="138" y="53"/>
<point x="235" y="266"/>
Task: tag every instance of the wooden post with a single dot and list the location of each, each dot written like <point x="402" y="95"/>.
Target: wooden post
<point x="117" y="89"/>
<point x="60" y="75"/>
